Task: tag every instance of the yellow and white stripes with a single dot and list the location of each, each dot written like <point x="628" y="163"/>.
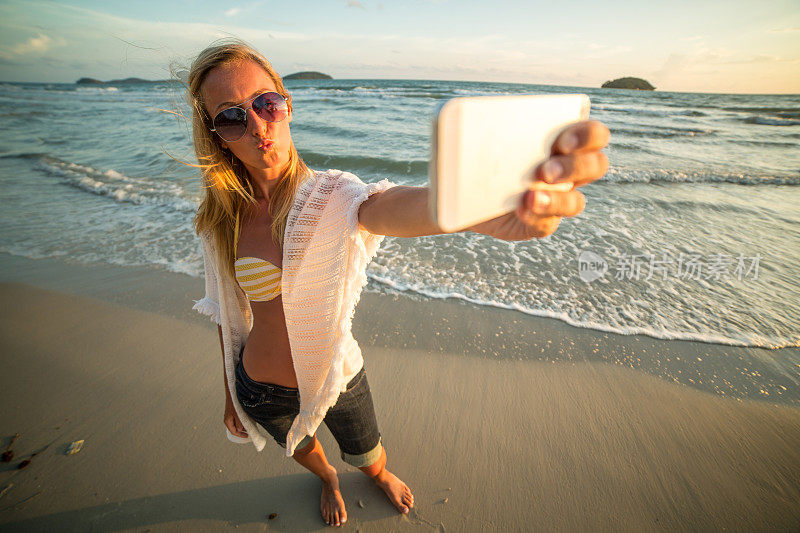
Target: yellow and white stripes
<point x="259" y="279"/>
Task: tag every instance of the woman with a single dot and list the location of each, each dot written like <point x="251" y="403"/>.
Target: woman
<point x="286" y="250"/>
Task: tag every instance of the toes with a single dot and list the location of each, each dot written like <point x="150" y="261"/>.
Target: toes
<point x="408" y="498"/>
<point x="327" y="514"/>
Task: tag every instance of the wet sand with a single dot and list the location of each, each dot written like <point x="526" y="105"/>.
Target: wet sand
<point x="495" y="419"/>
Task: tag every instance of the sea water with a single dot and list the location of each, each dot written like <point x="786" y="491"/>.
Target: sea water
<point x="693" y="234"/>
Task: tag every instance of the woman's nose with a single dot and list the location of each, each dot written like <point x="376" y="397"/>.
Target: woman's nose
<point x="258" y="126"/>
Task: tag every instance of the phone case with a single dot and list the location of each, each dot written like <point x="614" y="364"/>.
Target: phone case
<point x="485" y="149"/>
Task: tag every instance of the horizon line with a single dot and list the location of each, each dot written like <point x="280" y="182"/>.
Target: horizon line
<point x="440" y="80"/>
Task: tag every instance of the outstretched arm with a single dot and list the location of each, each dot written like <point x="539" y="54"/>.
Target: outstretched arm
<point x="398" y="212"/>
<point x="575" y="157"/>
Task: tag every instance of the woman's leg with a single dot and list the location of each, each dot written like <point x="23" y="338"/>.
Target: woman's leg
<point x="353" y="424"/>
<point x="397" y="491"/>
<point x="275" y="408"/>
<point x="331" y="505"/>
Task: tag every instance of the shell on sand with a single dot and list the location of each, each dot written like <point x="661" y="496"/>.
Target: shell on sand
<point x="75" y="447"/>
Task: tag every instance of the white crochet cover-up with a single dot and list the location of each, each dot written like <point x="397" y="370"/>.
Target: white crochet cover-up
<point x="325" y="256"/>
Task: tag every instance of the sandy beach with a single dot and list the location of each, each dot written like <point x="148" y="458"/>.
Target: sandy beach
<point x="496" y="420"/>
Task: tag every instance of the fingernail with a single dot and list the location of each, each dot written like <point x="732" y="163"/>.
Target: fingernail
<point x="569" y="142"/>
<point x="541" y="201"/>
<point x="552" y="170"/>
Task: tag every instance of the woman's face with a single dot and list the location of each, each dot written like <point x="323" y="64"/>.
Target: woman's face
<point x="265" y="145"/>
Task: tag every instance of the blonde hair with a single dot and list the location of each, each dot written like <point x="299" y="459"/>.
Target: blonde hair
<point x="228" y="189"/>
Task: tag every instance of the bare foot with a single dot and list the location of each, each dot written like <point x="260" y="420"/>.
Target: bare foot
<point x="331" y="503"/>
<point x="397" y="491"/>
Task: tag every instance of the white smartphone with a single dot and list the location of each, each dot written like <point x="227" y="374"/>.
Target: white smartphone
<point x="484" y="151"/>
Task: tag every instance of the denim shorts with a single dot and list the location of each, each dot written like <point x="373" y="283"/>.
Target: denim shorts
<point x="351" y="420"/>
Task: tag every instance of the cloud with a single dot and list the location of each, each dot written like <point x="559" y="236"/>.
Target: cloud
<point x="39" y="44"/>
<point x="35" y="46"/>
<point x="721" y="69"/>
<point x="114" y="46"/>
<point x="232" y="12"/>
<point x="783" y="30"/>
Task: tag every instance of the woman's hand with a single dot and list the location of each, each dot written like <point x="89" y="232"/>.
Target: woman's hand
<point x="576" y="158"/>
<point x="232" y="421"/>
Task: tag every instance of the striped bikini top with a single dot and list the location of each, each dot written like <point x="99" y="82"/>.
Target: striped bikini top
<point x="258" y="278"/>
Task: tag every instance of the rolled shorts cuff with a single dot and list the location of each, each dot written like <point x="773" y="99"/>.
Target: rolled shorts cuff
<point x="364" y="459"/>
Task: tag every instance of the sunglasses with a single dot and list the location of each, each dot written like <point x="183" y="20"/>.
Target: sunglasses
<point x="231" y="123"/>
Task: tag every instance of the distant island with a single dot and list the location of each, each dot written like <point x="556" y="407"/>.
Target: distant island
<point x="308" y="75"/>
<point x="126" y="81"/>
<point x="629" y="83"/>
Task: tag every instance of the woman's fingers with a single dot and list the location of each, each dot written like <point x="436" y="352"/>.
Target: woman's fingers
<point x="552" y="204"/>
<point x="536" y="226"/>
<point x="583" y="136"/>
<point x="234" y="425"/>
<point x="580" y="168"/>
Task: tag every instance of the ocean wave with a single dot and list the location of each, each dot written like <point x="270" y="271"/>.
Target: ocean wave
<point x="377" y="92"/>
<point x="764" y="143"/>
<point x="663" y="132"/>
<point x="657" y="175"/>
<point x="482" y="92"/>
<point x="98" y="89"/>
<point x="333" y="130"/>
<point x="23" y="155"/>
<point x="117" y="186"/>
<point x="339" y="104"/>
<point x="631" y="148"/>
<point x="769" y="121"/>
<point x="190" y="264"/>
<point x="648" y="111"/>
<point x="365" y="165"/>
<point x="754" y="340"/>
<point x="779" y="111"/>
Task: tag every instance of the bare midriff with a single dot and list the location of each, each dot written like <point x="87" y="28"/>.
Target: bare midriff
<point x="267" y="354"/>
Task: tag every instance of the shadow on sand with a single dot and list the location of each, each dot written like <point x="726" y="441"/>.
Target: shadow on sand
<point x="294" y="498"/>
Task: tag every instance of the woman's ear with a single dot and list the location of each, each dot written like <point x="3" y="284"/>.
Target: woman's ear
<point x="289" y="103"/>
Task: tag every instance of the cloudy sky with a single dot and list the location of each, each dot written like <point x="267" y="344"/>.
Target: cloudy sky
<point x="742" y="46"/>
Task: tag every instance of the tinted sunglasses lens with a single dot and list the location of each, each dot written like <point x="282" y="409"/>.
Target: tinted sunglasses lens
<point x="231" y="123"/>
<point x="271" y="107"/>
